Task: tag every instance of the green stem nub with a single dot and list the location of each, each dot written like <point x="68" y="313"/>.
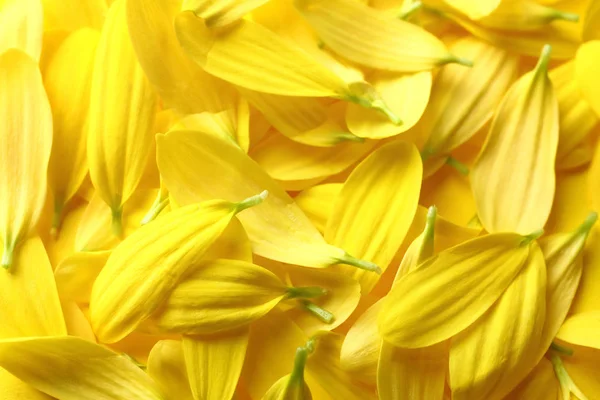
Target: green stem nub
<point x="348" y="137"/>
<point x="561" y="349"/>
<point x="362" y="264"/>
<point x="428" y="235"/>
<point x="567" y="386"/>
<point x="542" y="64"/>
<point x="251" y="201"/>
<point x="117" y="222"/>
<point x="566" y="16"/>
<point x="305" y="292"/>
<point x="8" y="255"/>
<point x="457" y="165"/>
<point x="156" y="209"/>
<point x="410" y="10"/>
<point x="531" y="237"/>
<point x="587" y="225"/>
<point x="297" y="374"/>
<point x="56" y="219"/>
<point x="452" y="59"/>
<point x="322" y="314"/>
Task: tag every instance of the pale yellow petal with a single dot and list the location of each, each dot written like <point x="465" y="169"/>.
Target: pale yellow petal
<point x="491" y="357"/>
<point x="14" y="388"/>
<point x="67" y="366"/>
<point x="214" y="363"/>
<point x="25" y="143"/>
<point x="21" y="26"/>
<point x="68" y="83"/>
<point x="166" y="365"/>
<point x="119" y="138"/>
<point x="384" y="188"/>
<point x="523" y="138"/>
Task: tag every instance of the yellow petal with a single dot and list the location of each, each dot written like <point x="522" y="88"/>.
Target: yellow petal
<point x="581" y="329"/>
<point x="232" y="244"/>
<point x="25" y="146"/>
<point x="564" y="263"/>
<point x="71" y="15"/>
<point x="317" y="203"/>
<point x="474" y="10"/>
<point x="76" y="321"/>
<point x="218" y="124"/>
<point x="76" y="274"/>
<point x="491" y="357"/>
<point x="587" y="56"/>
<point x="412" y="373"/>
<point x="570" y="207"/>
<point x="590" y="29"/>
<point x="518" y="197"/>
<point x="145" y="267"/>
<point x="406" y="95"/>
<point x="214" y="363"/>
<point x="176" y="78"/>
<point x="119" y="137"/>
<point x="372" y="38"/>
<point x="581" y="372"/>
<point x="541" y="383"/>
<point x="30" y="302"/>
<point x="166" y="365"/>
<point x="67" y="366"/>
<point x="221" y="12"/>
<point x="341" y="299"/>
<point x="523" y="15"/>
<point x="464" y="99"/>
<point x="278" y="229"/>
<point x="67" y="81"/>
<point x="384" y="188"/>
<point x="219" y="296"/>
<point x="420" y="312"/>
<point x="21" y="26"/>
<point x="289" y="161"/>
<point x="588" y="296"/>
<point x="251" y="56"/>
<point x="14" y="388"/>
<point x="576" y="117"/>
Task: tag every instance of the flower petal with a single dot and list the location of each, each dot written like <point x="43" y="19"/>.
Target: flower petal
<point x="166" y="365"/>
<point x="222" y="12"/>
<point x="21" y="26"/>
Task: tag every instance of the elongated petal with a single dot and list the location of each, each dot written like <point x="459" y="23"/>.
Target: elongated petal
<point x="518" y="197"/>
<point x="25" y="143"/>
<point x="405" y="94"/>
<point x="577" y="119"/>
<point x="21" y="26"/>
<point x="66" y="366"/>
<point x="218" y="124"/>
<point x="76" y="321"/>
<point x="474" y="10"/>
<point x="178" y="80"/>
<point x="219" y="296"/>
<point x="419" y="311"/>
<point x="143" y="269"/>
<point x="464" y="99"/>
<point x="232" y="244"/>
<point x="587" y="56"/>
<point x="564" y="262"/>
<point x="278" y="229"/>
<point x="541" y="383"/>
<point x="119" y="138"/>
<point x="569" y="208"/>
<point x="76" y="274"/>
<point x="28" y="294"/>
<point x="523" y="15"/>
<point x="317" y="202"/>
<point x="71" y="15"/>
<point x="581" y="329"/>
<point x="255" y="58"/>
<point x="490" y="358"/>
<point x="372" y="38"/>
<point x="384" y="188"/>
<point x="222" y="12"/>
<point x="214" y="364"/>
<point x="590" y="22"/>
<point x="14" y="388"/>
<point x="166" y="365"/>
<point x="68" y="84"/>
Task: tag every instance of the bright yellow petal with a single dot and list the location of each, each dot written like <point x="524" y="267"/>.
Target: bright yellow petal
<point x="218" y="124"/>
<point x="232" y="244"/>
<point x="581" y="329"/>
<point x="541" y="383"/>
<point x="76" y="321"/>
<point x="590" y="29"/>
<point x="255" y="58"/>
<point x="406" y="95"/>
<point x="576" y="117"/>
<point x="141" y="272"/>
<point x="385" y="188"/>
<point x="214" y="363"/>
<point x="119" y="138"/>
<point x="76" y="274"/>
<point x="523" y="15"/>
<point x="570" y="206"/>
<point x="587" y="57"/>
<point x="474" y="10"/>
<point x="67" y="366"/>
<point x="67" y="79"/>
<point x="464" y="99"/>
<point x="419" y="311"/>
<point x="491" y="357"/>
<point x="221" y="12"/>
<point x="317" y="203"/>
<point x="21" y="26"/>
<point x="30" y="301"/>
<point x="14" y="388"/>
<point x="372" y="38"/>
<point x="277" y="229"/>
<point x="25" y="143"/>
<point x="518" y="197"/>
<point x="71" y="15"/>
<point x="219" y="296"/>
<point x="166" y="365"/>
